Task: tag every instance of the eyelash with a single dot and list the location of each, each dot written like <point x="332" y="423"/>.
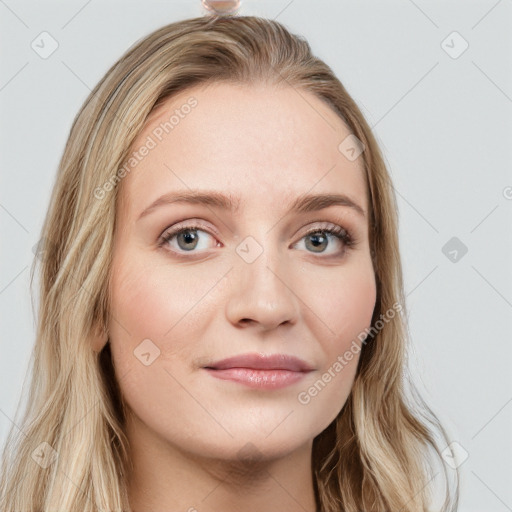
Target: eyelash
<point x="342" y="234"/>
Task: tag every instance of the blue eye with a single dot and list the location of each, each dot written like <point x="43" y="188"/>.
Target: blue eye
<point x="319" y="237"/>
<point x="183" y="239"/>
<point x="187" y="237"/>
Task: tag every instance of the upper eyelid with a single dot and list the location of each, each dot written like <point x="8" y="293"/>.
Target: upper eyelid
<point x="191" y="224"/>
<point x="198" y="224"/>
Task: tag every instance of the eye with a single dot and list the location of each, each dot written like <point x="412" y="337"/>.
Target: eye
<point x="318" y="238"/>
<point x="187" y="238"/>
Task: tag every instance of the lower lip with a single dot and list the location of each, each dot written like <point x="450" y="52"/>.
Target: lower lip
<point x="260" y="379"/>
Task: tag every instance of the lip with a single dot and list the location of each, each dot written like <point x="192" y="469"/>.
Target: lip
<point x="261" y="371"/>
<point x="257" y="361"/>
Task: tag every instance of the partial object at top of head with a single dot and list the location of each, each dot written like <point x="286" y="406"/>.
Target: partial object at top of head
<point x="222" y="7"/>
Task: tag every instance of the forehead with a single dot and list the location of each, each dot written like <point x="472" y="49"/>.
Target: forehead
<point x="264" y="144"/>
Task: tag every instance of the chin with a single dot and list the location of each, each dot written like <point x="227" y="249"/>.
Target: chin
<point x="250" y="445"/>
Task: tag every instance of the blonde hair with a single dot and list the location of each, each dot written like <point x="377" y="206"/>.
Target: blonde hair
<point x="375" y="456"/>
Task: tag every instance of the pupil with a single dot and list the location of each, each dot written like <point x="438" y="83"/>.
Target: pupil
<point x="189" y="236"/>
<point x="317" y="240"/>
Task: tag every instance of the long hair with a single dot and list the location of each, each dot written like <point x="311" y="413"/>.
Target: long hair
<point x="70" y="452"/>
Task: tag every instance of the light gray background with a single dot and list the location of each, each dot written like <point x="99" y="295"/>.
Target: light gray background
<point x="444" y="125"/>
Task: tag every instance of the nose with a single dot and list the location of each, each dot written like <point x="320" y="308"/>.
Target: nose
<point x="262" y="293"/>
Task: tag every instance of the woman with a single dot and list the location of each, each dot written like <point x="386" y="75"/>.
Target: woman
<point x="222" y="322"/>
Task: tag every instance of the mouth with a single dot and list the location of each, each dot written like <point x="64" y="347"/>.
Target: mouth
<point x="261" y="371"/>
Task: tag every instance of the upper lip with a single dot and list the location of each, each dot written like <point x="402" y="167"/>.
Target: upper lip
<point x="262" y="362"/>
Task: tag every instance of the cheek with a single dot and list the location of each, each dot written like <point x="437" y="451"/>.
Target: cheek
<point x="346" y="307"/>
<point x="346" y="303"/>
<point x="152" y="299"/>
<point x="149" y="301"/>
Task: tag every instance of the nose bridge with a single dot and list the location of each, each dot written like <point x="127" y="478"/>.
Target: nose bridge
<point x="260" y="290"/>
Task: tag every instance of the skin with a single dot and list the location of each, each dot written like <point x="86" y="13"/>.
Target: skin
<point x="189" y="431"/>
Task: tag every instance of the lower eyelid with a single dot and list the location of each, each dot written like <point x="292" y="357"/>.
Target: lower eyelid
<point x="344" y="236"/>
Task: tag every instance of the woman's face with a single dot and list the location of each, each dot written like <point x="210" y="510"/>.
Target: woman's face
<point x="257" y="279"/>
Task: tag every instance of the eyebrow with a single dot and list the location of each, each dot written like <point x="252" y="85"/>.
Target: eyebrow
<point x="302" y="204"/>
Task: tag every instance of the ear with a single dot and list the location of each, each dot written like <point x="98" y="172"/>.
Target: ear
<point x="99" y="338"/>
